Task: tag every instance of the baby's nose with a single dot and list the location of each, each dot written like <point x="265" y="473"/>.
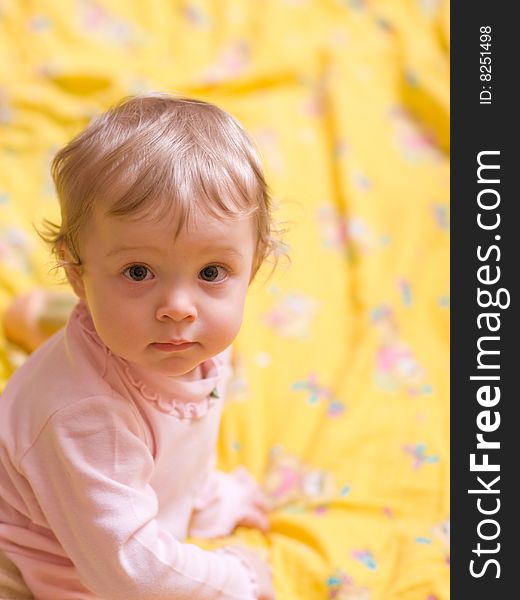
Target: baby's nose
<point x="178" y="305"/>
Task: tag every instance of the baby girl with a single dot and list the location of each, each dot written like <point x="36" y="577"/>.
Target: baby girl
<point x="108" y="430"/>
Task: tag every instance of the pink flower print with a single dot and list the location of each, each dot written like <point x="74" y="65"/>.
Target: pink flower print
<point x="365" y="557"/>
<point x="315" y="107"/>
<point x="388" y="512"/>
<point x="233" y="60"/>
<point x="418" y="453"/>
<point x="98" y="21"/>
<point x="317" y="393"/>
<point x="15" y="247"/>
<point x="332" y="226"/>
<point x="361" y="181"/>
<point x="342" y="587"/>
<point x="196" y="16"/>
<point x="289" y="480"/>
<point x="6" y="108"/>
<point x="415" y="143"/>
<point x="269" y="141"/>
<point x="395" y="364"/>
<point x="406" y="291"/>
<point x="292" y="315"/>
<point x="40" y="24"/>
<point x="361" y="234"/>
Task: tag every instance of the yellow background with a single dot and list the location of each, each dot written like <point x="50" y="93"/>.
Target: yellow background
<point x="339" y="403"/>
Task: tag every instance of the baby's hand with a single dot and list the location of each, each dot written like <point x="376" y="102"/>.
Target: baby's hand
<point x="256" y="514"/>
<point x="262" y="570"/>
<point x="257" y="507"/>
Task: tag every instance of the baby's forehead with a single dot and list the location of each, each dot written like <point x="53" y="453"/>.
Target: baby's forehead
<point x="204" y="236"/>
<point x="195" y="214"/>
<point x="195" y="224"/>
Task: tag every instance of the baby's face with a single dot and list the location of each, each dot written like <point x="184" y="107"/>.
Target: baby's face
<point x="166" y="304"/>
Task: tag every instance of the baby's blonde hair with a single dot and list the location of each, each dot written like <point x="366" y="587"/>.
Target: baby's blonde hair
<point x="169" y="154"/>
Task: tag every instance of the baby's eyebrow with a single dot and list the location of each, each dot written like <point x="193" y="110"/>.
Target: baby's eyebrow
<point x="223" y="249"/>
<point x="122" y="249"/>
<point x="205" y="250"/>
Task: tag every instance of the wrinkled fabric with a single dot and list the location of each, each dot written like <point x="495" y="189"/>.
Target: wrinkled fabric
<point x="339" y="400"/>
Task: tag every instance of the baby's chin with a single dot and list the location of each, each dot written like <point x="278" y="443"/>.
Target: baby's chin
<point x="191" y="375"/>
<point x="184" y="372"/>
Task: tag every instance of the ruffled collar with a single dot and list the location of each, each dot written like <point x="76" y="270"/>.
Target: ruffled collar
<point x="170" y="395"/>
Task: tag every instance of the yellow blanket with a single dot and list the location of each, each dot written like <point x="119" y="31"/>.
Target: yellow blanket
<point x="340" y="396"/>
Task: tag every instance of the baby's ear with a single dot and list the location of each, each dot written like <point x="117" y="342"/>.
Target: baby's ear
<point x="72" y="269"/>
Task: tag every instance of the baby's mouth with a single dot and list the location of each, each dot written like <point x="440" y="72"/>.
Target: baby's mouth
<point x="173" y="346"/>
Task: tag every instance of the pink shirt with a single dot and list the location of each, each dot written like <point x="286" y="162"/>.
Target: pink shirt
<point x="105" y="470"/>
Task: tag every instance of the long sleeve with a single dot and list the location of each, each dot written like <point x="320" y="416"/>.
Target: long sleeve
<point x="227" y="500"/>
<point x="90" y="471"/>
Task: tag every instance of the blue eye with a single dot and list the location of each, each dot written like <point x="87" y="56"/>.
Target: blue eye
<point x="138" y="272"/>
<point x="212" y="273"/>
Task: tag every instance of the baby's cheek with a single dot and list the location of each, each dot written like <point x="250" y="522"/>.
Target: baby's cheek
<point x="227" y="326"/>
<point x="119" y="333"/>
